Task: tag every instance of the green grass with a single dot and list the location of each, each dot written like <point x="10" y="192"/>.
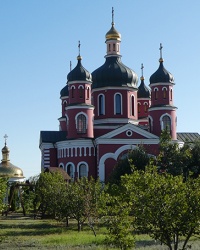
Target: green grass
<point x="26" y="233"/>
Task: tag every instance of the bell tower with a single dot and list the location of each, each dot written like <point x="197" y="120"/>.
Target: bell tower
<point x="162" y="113"/>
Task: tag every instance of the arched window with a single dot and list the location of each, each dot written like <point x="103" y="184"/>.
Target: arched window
<point x="139" y="110"/>
<point x="61" y="165"/>
<point x="171" y="94"/>
<point x="67" y="121"/>
<point x="156" y="93"/>
<point x="88" y="93"/>
<point x="114" y="47"/>
<point x="81" y="91"/>
<point x="118" y="104"/>
<point x="83" y="170"/>
<point x="81" y="124"/>
<point x="109" y="47"/>
<point x="145" y="107"/>
<point x="132" y="105"/>
<point x="65" y="104"/>
<point x="150" y="124"/>
<point x="101" y="105"/>
<point x="166" y="123"/>
<point x="164" y="93"/>
<point x="73" y="91"/>
<point x="70" y="170"/>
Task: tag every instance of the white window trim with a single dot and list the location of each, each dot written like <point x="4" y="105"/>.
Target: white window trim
<point x="115" y="103"/>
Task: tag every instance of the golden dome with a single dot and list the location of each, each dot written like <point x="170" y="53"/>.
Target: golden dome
<point x="113" y="34"/>
<point x="5" y="149"/>
<point x="7" y="169"/>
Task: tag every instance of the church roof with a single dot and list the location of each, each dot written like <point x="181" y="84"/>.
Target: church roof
<point x="58" y="170"/>
<point x="7" y="169"/>
<point x="188" y="137"/>
<point x="113" y="73"/>
<point x="143" y="90"/>
<point x="79" y="73"/>
<point x="52" y="136"/>
<point x="113" y="34"/>
<point x="64" y="91"/>
<point x="161" y="75"/>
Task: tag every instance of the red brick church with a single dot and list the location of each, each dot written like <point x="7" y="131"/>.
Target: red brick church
<point x="106" y="113"/>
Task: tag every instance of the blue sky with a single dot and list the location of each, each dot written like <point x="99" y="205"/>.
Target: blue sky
<point x="39" y="38"/>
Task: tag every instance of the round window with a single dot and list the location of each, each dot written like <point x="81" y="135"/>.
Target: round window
<point x="129" y="133"/>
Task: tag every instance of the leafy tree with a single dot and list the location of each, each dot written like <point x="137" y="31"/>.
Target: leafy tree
<point x="138" y="157"/>
<point x="3" y="186"/>
<point x="195" y="159"/>
<point x="164" y="206"/>
<point x="50" y="189"/>
<point x="172" y="158"/>
<point x="118" y="221"/>
<point x="82" y="201"/>
<point x="29" y="194"/>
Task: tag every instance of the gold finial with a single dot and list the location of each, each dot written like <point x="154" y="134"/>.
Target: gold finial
<point x="161" y="47"/>
<point x="5" y="137"/>
<point x="79" y="49"/>
<point x="112" y="17"/>
<point x="142" y="67"/>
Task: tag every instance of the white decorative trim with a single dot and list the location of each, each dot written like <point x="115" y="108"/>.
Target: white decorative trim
<point x="115" y="120"/>
<point x="129" y="133"/>
<point x="161" y="120"/>
<point x="81" y="113"/>
<point x="78" y="82"/>
<point x="85" y="163"/>
<point x="113" y="156"/>
<point x="161" y="84"/>
<point x="129" y="126"/>
<point x="121" y="103"/>
<point x="79" y="107"/>
<point x="80" y="86"/>
<point x="103" y="100"/>
<point x="163" y="108"/>
<point x="73" y="167"/>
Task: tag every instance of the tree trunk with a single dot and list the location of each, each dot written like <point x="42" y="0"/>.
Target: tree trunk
<point x="67" y="222"/>
<point x="79" y="226"/>
<point x="187" y="238"/>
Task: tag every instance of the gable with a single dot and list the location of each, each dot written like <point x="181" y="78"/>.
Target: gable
<point x="129" y="131"/>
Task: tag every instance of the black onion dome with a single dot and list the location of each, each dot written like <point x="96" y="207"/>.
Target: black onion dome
<point x="161" y="75"/>
<point x="114" y="73"/>
<point x="64" y="91"/>
<point x="79" y="73"/>
<point x="143" y="90"/>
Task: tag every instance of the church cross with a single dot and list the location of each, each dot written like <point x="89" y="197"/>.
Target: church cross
<point x="142" y="67"/>
<point x="5" y="137"/>
<point x="112" y="16"/>
<point x="161" y="47"/>
<point x="79" y="47"/>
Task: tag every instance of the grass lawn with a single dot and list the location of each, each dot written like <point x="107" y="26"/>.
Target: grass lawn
<point x="17" y="232"/>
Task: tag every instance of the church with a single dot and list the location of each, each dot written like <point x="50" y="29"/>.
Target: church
<point x="107" y="113"/>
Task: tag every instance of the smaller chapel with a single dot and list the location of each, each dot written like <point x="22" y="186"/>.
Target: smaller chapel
<point x="107" y="113"/>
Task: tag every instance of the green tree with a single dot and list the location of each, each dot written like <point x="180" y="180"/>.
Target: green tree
<point x="173" y="159"/>
<point x="195" y="159"/>
<point x="138" y="157"/>
<point x="29" y="194"/>
<point x="164" y="206"/>
<point x="82" y="201"/>
<point x="49" y="192"/>
<point x="116" y="215"/>
<point x="3" y="187"/>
